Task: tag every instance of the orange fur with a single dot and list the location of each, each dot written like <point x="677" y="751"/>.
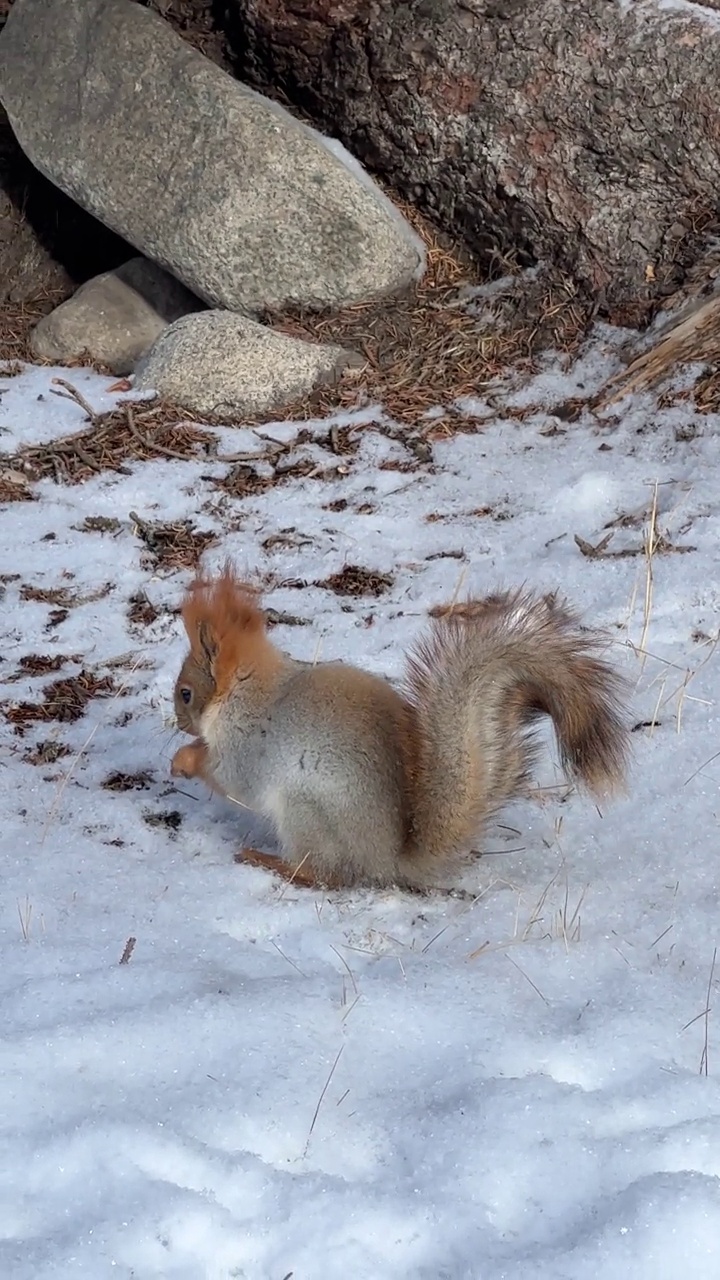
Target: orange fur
<point x="225" y="611"/>
<point x="190" y="761"/>
<point x="302" y="875"/>
<point x="363" y="784"/>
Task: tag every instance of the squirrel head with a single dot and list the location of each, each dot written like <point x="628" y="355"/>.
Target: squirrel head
<point x="226" y="631"/>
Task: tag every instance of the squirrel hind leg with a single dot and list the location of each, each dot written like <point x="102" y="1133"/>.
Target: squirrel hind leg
<point x="304" y="874"/>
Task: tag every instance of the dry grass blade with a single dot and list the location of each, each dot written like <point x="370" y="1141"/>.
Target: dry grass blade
<point x="325" y="1088"/>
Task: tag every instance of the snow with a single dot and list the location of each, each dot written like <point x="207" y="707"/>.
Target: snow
<point x="503" y="1084"/>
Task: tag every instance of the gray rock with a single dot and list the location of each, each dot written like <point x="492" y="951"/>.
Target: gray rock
<point x="223" y="364"/>
<point x="229" y="192"/>
<point x="114" y="318"/>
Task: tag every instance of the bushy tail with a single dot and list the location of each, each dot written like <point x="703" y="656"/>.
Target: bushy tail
<point x="487" y="671"/>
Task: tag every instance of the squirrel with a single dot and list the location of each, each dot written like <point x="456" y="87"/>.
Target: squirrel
<point x="368" y="784"/>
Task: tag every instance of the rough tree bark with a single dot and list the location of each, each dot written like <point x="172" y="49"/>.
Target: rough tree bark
<point x="584" y="133"/>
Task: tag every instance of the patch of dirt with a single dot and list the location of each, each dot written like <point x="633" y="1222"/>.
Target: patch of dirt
<point x="118" y="781"/>
<point x="246" y="480"/>
<point x="171" y="819"/>
<point x="99" y="524"/>
<point x="47" y="752"/>
<point x="404" y="466"/>
<point x="48" y="595"/>
<point x="278" y="618"/>
<point x="63" y="597"/>
<point x="174" y="545"/>
<point x="307" y="469"/>
<point x="288" y="537"/>
<point x="63" y="700"/>
<point x="243" y="481"/>
<point x="353" y="580"/>
<point x="141" y="612"/>
<point x="447" y="555"/>
<point x="42" y="664"/>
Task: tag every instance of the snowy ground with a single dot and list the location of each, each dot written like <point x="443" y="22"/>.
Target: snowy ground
<point x="519" y="1085"/>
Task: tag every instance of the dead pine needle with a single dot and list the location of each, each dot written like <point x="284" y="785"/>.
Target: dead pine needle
<point x="285" y="957"/>
<point x="528" y="979"/>
<point x="345" y="964"/>
<point x="25" y="914"/>
<point x="701" y="767"/>
<point x="650" y="543"/>
<point x="706" y="1018"/>
<point x="325" y="1088"/>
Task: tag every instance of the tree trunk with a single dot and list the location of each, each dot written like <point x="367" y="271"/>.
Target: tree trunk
<point x="583" y="134"/>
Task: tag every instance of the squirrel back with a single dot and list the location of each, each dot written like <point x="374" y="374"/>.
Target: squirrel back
<point x="366" y="783"/>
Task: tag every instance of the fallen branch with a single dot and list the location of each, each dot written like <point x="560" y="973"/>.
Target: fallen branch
<point x="694" y="338"/>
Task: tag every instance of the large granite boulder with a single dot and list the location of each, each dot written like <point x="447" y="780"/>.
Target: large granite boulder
<point x="246" y="205"/>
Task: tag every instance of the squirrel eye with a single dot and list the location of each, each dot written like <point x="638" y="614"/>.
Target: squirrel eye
<point x="186" y="694"/>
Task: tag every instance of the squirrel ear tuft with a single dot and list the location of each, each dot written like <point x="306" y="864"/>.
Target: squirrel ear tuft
<point x="220" y="611"/>
<point x="208" y="644"/>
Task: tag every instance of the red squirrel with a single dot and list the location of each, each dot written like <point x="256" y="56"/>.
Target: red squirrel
<point x="366" y="784"/>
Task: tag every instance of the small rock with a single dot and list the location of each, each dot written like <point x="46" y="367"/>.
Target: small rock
<point x="223" y="364"/>
<point x="114" y="318"/>
<point x="248" y="206"/>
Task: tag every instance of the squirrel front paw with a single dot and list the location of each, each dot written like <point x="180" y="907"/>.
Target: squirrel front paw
<point x="188" y="761"/>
